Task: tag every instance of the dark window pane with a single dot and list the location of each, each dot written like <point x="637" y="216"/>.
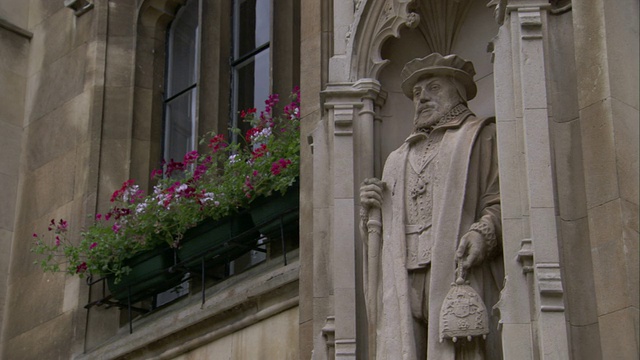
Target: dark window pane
<point x="182" y="49"/>
<point x="252" y="88"/>
<point x="180" y="113"/>
<point x="254" y="25"/>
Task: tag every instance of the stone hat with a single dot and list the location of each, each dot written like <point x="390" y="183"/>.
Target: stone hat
<point x="436" y="64"/>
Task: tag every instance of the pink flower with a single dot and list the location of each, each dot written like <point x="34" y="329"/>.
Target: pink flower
<point x="259" y="152"/>
<point x="174" y="166"/>
<point x="116" y="194"/>
<point x="190" y="157"/>
<point x="93" y="245"/>
<point x="62" y="225"/>
<point x="116" y="227"/>
<point x="217" y="143"/>
<point x="156" y="173"/>
<point x="279" y="165"/>
<point x="58" y="241"/>
<point x="35" y="235"/>
<point x="98" y="217"/>
<point x="81" y="268"/>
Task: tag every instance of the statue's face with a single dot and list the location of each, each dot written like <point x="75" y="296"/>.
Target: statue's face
<point x="433" y="97"/>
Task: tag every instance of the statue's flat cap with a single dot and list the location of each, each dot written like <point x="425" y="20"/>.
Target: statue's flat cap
<point x="438" y="65"/>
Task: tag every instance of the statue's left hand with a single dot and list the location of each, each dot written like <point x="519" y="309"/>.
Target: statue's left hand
<point x="472" y="250"/>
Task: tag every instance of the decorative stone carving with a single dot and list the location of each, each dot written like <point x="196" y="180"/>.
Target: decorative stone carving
<point x="499" y="11"/>
<point x="441" y="22"/>
<point x="392" y="16"/>
<point x="436" y="208"/>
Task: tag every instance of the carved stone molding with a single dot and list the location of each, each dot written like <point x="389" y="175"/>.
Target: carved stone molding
<point x="159" y="13"/>
<point x="525" y="256"/>
<point x="550" y="287"/>
<point x="375" y="22"/>
<point x="499" y="11"/>
<point x="329" y="335"/>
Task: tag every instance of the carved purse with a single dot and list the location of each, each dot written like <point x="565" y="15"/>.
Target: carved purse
<point x="463" y="313"/>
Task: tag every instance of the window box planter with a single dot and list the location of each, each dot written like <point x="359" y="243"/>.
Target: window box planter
<point x="218" y="241"/>
<point x="149" y="275"/>
<point x="269" y="213"/>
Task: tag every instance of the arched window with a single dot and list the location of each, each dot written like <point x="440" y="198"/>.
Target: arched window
<point x="181" y="86"/>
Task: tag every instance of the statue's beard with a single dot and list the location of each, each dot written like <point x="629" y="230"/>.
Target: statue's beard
<point x="427" y="119"/>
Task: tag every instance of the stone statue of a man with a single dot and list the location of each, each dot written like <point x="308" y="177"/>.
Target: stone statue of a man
<point x="439" y="201"/>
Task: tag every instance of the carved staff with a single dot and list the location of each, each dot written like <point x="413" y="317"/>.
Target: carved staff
<point x="374" y="236"/>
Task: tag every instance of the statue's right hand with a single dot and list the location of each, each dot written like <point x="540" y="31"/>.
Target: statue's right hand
<point x="371" y="193"/>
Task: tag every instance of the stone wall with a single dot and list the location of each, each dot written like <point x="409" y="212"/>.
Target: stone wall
<point x="14" y="42"/>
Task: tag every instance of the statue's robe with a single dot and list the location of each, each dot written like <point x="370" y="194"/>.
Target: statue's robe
<point x="465" y="188"/>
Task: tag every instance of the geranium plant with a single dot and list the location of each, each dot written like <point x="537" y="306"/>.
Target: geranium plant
<point x="218" y="182"/>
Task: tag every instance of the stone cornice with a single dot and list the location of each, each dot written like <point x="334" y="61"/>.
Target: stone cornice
<point x="5" y="24"/>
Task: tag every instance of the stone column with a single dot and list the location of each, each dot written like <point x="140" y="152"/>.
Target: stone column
<point x="606" y="50"/>
<point x="527" y="189"/>
<point x="350" y="114"/>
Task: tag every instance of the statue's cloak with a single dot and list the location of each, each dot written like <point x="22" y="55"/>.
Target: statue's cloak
<point x="465" y="184"/>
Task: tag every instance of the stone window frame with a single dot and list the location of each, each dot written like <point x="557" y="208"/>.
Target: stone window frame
<point x="176" y="91"/>
<point x="152" y="21"/>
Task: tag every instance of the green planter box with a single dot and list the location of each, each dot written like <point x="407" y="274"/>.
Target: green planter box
<point x="218" y="241"/>
<point x="149" y="275"/>
<point x="269" y="213"/>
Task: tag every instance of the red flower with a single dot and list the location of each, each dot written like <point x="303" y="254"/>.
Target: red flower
<point x="81" y="268"/>
<point x="156" y="173"/>
<point x="279" y="165"/>
<point x="190" y="157"/>
<point x="122" y="189"/>
<point x="174" y="166"/>
<point x="259" y="152"/>
<point x="251" y="133"/>
<point x="217" y="142"/>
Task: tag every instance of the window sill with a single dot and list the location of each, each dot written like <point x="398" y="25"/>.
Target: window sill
<point x="241" y="301"/>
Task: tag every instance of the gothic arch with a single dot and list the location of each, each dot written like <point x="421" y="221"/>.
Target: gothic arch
<point x="376" y="22"/>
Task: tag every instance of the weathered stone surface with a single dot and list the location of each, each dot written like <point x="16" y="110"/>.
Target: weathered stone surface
<point x="120" y="55"/>
<point x="48" y="187"/>
<point x="621" y="21"/>
<point x="621" y="328"/>
<point x="43" y="136"/>
<point x="598" y="146"/>
<point x="40" y="10"/>
<point x="11" y="139"/>
<point x="585" y="342"/>
<point x="17" y="12"/>
<point x="8" y="199"/>
<point x="28" y="312"/>
<point x="122" y="18"/>
<point x="52" y="39"/>
<point x="577" y="272"/>
<point x="626" y="127"/>
<point x="55" y="84"/>
<point x="49" y="341"/>
<point x="610" y="277"/>
<point x="14" y="56"/>
<point x="569" y="172"/>
<point x="118" y="112"/>
<point x="12" y="95"/>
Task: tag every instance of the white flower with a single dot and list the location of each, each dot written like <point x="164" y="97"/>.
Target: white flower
<point x="233" y="159"/>
<point x="141" y="207"/>
<point x="182" y="188"/>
